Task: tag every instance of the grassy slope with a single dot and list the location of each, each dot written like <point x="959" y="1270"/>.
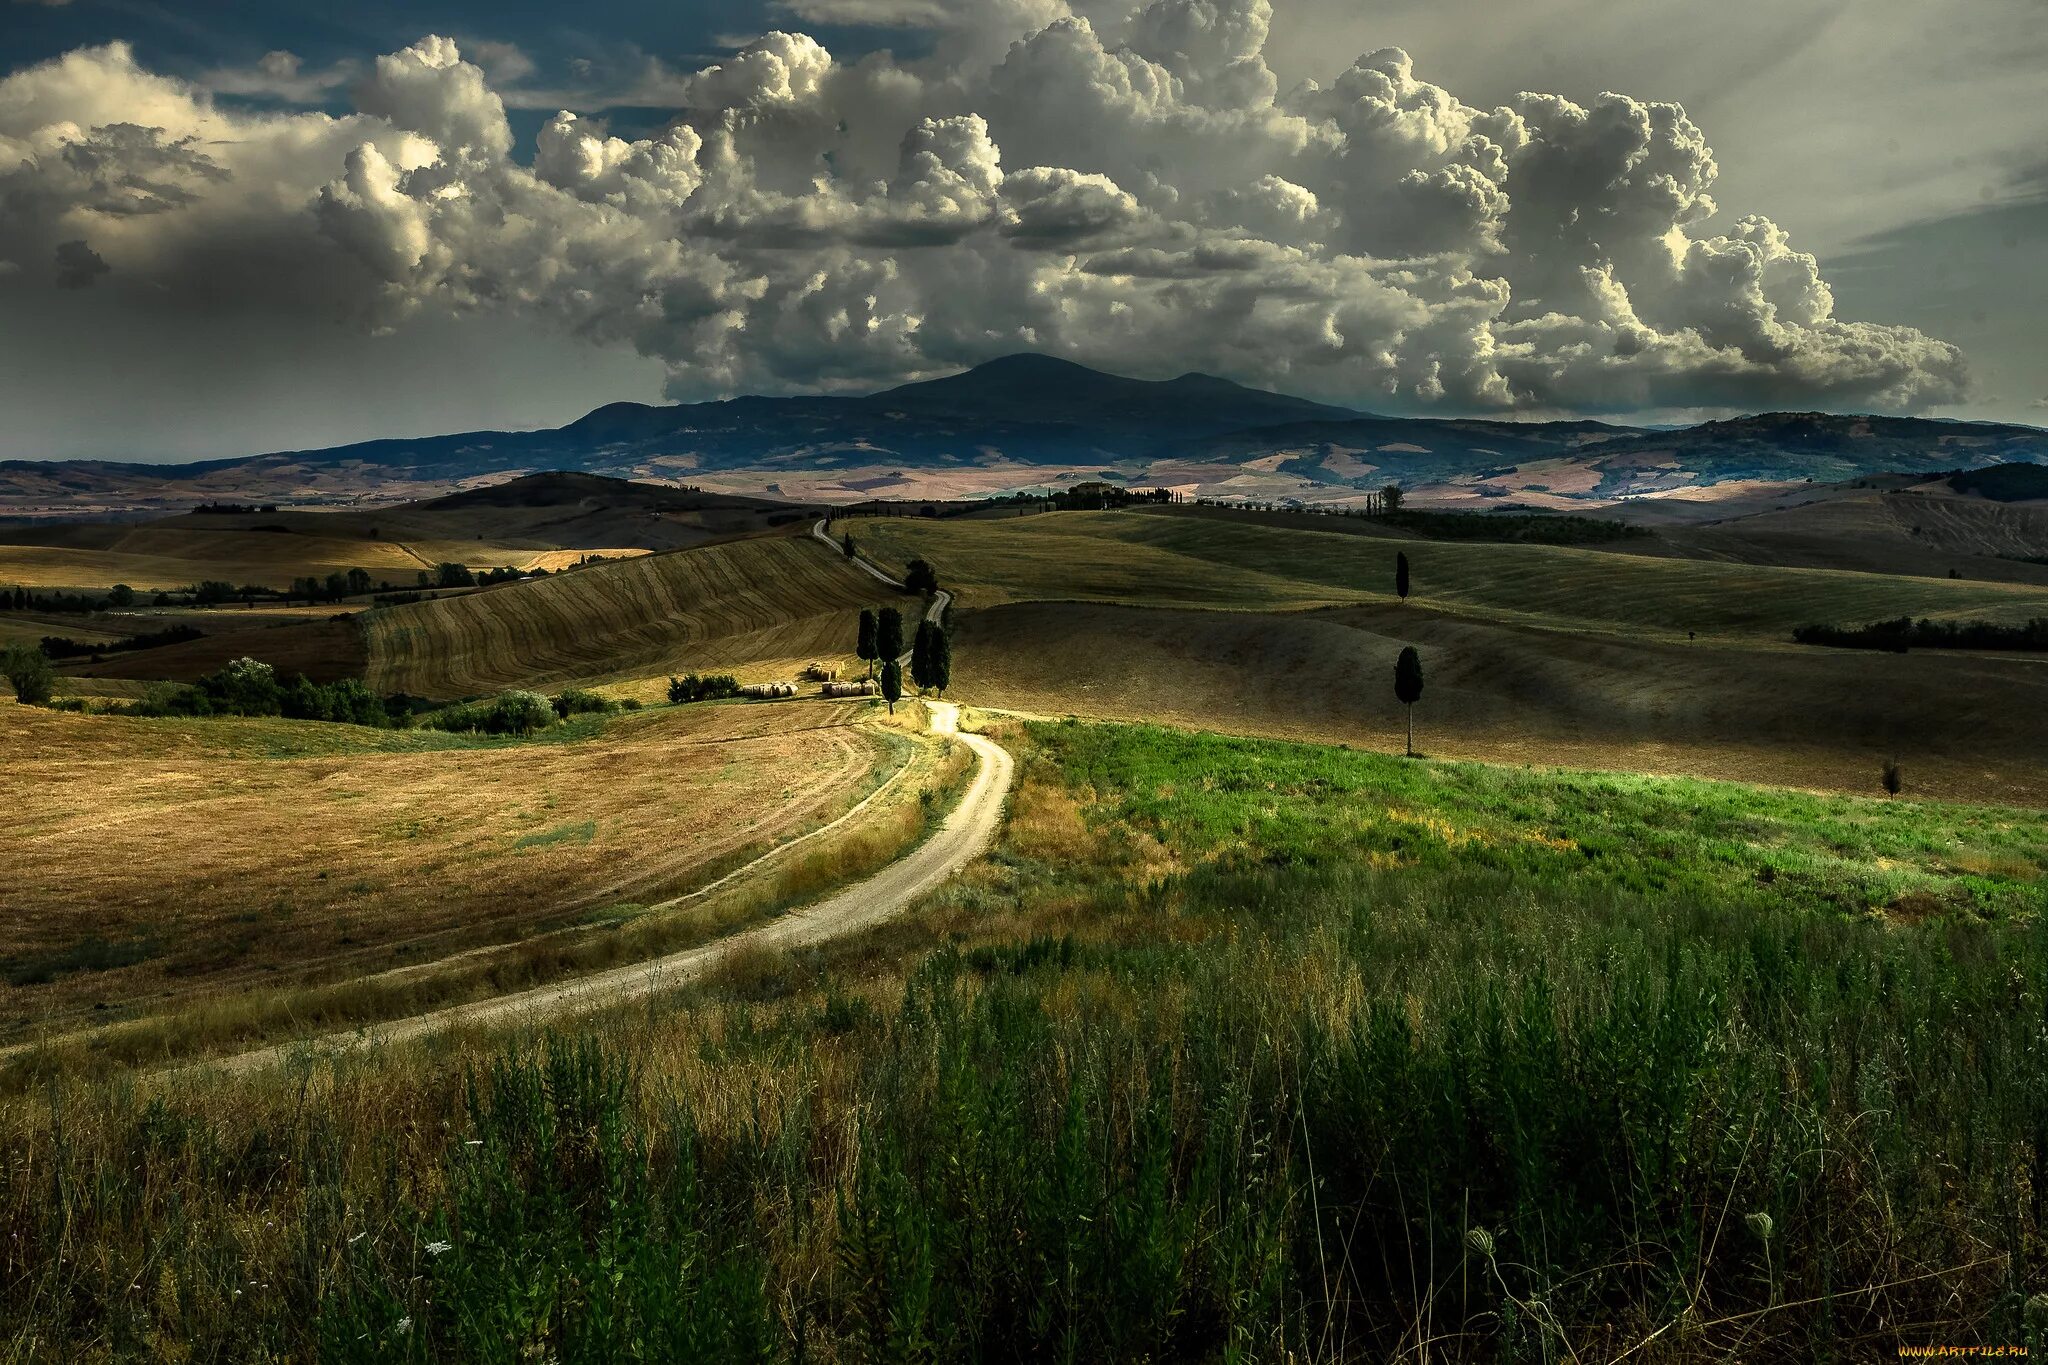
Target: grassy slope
<point x="1191" y="561"/>
<point x="781" y="597"/>
<point x="1233" y="1047"/>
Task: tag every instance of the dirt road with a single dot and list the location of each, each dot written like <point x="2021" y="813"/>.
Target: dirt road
<point x="964" y="836"/>
<point x="933" y="612"/>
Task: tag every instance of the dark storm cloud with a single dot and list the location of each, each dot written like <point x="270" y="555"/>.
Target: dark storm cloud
<point x="1127" y="187"/>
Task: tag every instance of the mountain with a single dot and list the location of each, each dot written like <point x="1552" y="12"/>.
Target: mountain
<point x="1052" y="415"/>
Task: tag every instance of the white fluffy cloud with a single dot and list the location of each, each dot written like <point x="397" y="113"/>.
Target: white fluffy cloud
<point x="1133" y="191"/>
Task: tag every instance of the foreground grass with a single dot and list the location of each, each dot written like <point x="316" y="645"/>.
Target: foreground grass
<point x="1234" y="1050"/>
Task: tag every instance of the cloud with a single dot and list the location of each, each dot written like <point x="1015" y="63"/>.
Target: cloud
<point x="281" y="76"/>
<point x="1135" y="192"/>
<point x="78" y="265"/>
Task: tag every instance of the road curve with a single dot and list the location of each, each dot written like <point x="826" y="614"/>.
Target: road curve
<point x="933" y="612"/>
<point x="964" y="836"/>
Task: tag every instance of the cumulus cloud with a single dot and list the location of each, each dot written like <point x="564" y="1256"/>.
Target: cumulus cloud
<point x="1129" y="190"/>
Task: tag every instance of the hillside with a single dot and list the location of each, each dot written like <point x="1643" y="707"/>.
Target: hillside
<point x="782" y="599"/>
<point x="1028" y="420"/>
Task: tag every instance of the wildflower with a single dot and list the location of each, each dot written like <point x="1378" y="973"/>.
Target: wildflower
<point x="404" y="1326"/>
<point x="438" y="1248"/>
<point x="1480" y="1240"/>
<point x="1760" y="1223"/>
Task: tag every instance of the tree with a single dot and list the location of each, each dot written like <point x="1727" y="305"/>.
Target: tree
<point x="453" y="576"/>
<point x="1390" y="497"/>
<point x="892" y="684"/>
<point x="920" y="577"/>
<point x="121" y="595"/>
<point x="865" y="646"/>
<point x="941" y="661"/>
<point x="889" y="634"/>
<point x="846" y="544"/>
<point x="28" y="669"/>
<point x="921" y="656"/>
<point x="358" y="582"/>
<point x="1894" y="777"/>
<point x="1401" y="574"/>
<point x="1408" y="687"/>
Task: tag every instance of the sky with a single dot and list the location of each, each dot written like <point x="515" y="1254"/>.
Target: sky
<point x="242" y="227"/>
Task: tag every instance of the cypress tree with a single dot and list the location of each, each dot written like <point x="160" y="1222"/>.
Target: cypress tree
<point x="941" y="661"/>
<point x="889" y="634"/>
<point x="892" y="684"/>
<point x="921" y="656"/>
<point x="1408" y="688"/>
<point x="865" y="647"/>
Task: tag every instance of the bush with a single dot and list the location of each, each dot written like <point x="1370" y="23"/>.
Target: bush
<point x="578" y="702"/>
<point x="28" y="670"/>
<point x="707" y="687"/>
<point x="508" y="713"/>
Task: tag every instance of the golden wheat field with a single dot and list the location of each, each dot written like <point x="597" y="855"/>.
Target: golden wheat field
<point x="156" y="858"/>
<point x="779" y="598"/>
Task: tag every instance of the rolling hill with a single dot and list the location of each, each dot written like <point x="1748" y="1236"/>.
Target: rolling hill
<point x="779" y="599"/>
<point x="1025" y="420"/>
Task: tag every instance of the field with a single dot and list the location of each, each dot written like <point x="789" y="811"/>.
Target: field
<point x="779" y="599"/>
<point x="1234" y="1049"/>
<point x="1168" y="559"/>
<point x="1258" y="624"/>
<point x="157" y="859"/>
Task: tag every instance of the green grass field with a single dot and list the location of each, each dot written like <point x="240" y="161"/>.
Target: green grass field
<point x="1233" y="1050"/>
<point x="1169" y="560"/>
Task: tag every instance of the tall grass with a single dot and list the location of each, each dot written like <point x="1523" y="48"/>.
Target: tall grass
<point x="1151" y="1089"/>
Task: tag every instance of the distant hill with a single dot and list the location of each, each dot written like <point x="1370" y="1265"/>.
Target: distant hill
<point x="1039" y="413"/>
<point x="2004" y="483"/>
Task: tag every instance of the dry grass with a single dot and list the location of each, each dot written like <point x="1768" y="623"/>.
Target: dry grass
<point x="779" y="598"/>
<point x="209" y="854"/>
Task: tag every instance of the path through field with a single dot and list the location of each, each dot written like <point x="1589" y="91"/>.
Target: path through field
<point x="964" y="836"/>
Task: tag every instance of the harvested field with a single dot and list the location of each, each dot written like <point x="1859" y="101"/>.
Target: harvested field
<point x="149" y="858"/>
<point x="781" y="599"/>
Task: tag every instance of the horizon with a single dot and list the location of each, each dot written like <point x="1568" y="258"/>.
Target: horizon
<point x="270" y="233"/>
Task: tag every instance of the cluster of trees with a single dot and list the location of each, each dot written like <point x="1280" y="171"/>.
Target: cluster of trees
<point x="920" y="577"/>
<point x="702" y="687"/>
<point x="931" y="658"/>
<point x="64" y="647"/>
<point x="1097" y="495"/>
<point x="249" y="687"/>
<point x="879" y="638"/>
<point x="517" y="712"/>
<point x="116" y="598"/>
<point x="334" y="587"/>
<point x="1905" y="633"/>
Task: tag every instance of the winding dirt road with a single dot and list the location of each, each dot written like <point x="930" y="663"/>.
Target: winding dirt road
<point x="964" y="836"/>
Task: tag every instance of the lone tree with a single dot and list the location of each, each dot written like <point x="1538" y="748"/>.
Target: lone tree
<point x="892" y="684"/>
<point x="889" y="634"/>
<point x="1401" y="574"/>
<point x="846" y="544"/>
<point x="865" y="645"/>
<point x="1390" y="497"/>
<point x="1408" y="687"/>
<point x="28" y="669"/>
<point x="1894" y="777"/>
<point x="920" y="577"/>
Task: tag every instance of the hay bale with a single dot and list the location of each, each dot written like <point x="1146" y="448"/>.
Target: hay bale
<point x="768" y="690"/>
<point x="819" y="673"/>
<point x="859" y="687"/>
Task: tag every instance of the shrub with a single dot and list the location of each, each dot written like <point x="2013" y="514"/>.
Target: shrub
<point x="707" y="687"/>
<point x="28" y="670"/>
<point x="508" y="713"/>
<point x="578" y="702"/>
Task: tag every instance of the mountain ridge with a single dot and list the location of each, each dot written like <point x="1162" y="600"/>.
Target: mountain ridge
<point x="1037" y="412"/>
